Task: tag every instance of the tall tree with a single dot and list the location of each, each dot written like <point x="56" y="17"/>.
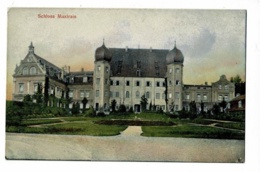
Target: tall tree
<point x="46" y="91"/>
<point x="113" y="105"/>
<point x="84" y="102"/>
<point x="240" y="86"/>
<point x="143" y="102"/>
<point x="38" y="96"/>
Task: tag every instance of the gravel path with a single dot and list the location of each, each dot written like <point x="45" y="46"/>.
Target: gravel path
<point x="125" y="147"/>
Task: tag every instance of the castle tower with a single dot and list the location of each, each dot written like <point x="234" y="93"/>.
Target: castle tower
<point x="174" y="77"/>
<point x="101" y="80"/>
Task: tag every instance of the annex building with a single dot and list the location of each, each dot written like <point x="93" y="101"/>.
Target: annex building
<point x="124" y="75"/>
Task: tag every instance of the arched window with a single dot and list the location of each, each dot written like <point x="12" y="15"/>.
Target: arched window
<point x="32" y="70"/>
<point x="147" y="95"/>
<point x="127" y="95"/>
<point x="25" y="71"/>
<point x="137" y="94"/>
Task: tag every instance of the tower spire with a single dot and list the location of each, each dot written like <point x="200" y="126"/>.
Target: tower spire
<point x="103" y="41"/>
<point x="174" y="43"/>
<point x="31" y="48"/>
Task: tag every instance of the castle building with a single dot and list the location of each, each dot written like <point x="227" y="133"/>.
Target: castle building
<point x="123" y="75"/>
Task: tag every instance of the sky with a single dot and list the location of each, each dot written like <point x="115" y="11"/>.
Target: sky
<point x="212" y="41"/>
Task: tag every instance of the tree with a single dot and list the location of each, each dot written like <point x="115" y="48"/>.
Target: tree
<point x="150" y="106"/>
<point x="46" y="91"/>
<point x="240" y="86"/>
<point x="122" y="108"/>
<point x="202" y="107"/>
<point x="223" y="104"/>
<point x="38" y="96"/>
<point x="193" y="107"/>
<point x="84" y="102"/>
<point x="216" y="109"/>
<point x="143" y="102"/>
<point x="75" y="108"/>
<point x="113" y="105"/>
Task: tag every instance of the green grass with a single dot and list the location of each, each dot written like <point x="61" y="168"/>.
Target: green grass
<point x="238" y="126"/>
<point x="191" y="132"/>
<point x="39" y="121"/>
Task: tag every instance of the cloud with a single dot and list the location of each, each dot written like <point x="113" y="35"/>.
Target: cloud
<point x="201" y="44"/>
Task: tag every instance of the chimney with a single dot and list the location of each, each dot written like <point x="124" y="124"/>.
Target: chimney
<point x="126" y="48"/>
<point x="68" y="69"/>
<point x="151" y="49"/>
<point x="206" y="83"/>
<point x="82" y="69"/>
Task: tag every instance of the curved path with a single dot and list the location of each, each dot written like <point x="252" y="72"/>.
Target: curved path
<point x="126" y="147"/>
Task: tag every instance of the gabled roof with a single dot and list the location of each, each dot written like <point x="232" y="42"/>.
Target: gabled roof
<point x="127" y="62"/>
<point x="238" y="98"/>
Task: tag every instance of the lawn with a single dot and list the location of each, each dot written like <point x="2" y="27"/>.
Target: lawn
<point x="191" y="132"/>
<point x="71" y="126"/>
<point x="153" y="125"/>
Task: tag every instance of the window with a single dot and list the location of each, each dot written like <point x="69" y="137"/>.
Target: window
<point x="106" y="94"/>
<point x="177" y="82"/>
<point x="170" y="71"/>
<point x="21" y="88"/>
<point x="137" y="83"/>
<point x="87" y="94"/>
<point x="97" y="93"/>
<point x="157" y="95"/>
<point x="147" y="95"/>
<point x="198" y="97"/>
<point x="117" y="94"/>
<point x="163" y="96"/>
<point x="226" y="87"/>
<point x="111" y="94"/>
<point x="127" y="95"/>
<point x="226" y="98"/>
<point x="71" y="94"/>
<point x="158" y="84"/>
<point x="176" y="107"/>
<point x="107" y="69"/>
<point x="106" y="81"/>
<point x="240" y="104"/>
<point x="220" y="87"/>
<point x="117" y="83"/>
<point x="32" y="70"/>
<point x="35" y="88"/>
<point x="111" y="82"/>
<point x="127" y="83"/>
<point x="177" y="95"/>
<point x="205" y="97"/>
<point x="187" y="97"/>
<point x="85" y="79"/>
<point x="220" y="97"/>
<point x="25" y="71"/>
<point x="82" y="94"/>
<point x="177" y="70"/>
<point x="170" y="82"/>
<point x="170" y="95"/>
<point x="98" y="81"/>
<point x="148" y="83"/>
<point x="137" y="94"/>
<point x="99" y="68"/>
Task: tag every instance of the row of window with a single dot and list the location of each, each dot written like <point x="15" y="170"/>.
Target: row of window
<point x="138" y="83"/>
<point x="99" y="69"/>
<point x="177" y="70"/>
<point x="82" y="93"/>
<point x="220" y="87"/>
<point x="199" y="97"/>
<point x="26" y="71"/>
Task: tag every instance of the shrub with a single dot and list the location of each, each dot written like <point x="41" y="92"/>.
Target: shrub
<point x="122" y="108"/>
<point x="90" y="112"/>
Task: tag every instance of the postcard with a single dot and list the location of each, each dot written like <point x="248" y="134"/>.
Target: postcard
<point x="146" y="85"/>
